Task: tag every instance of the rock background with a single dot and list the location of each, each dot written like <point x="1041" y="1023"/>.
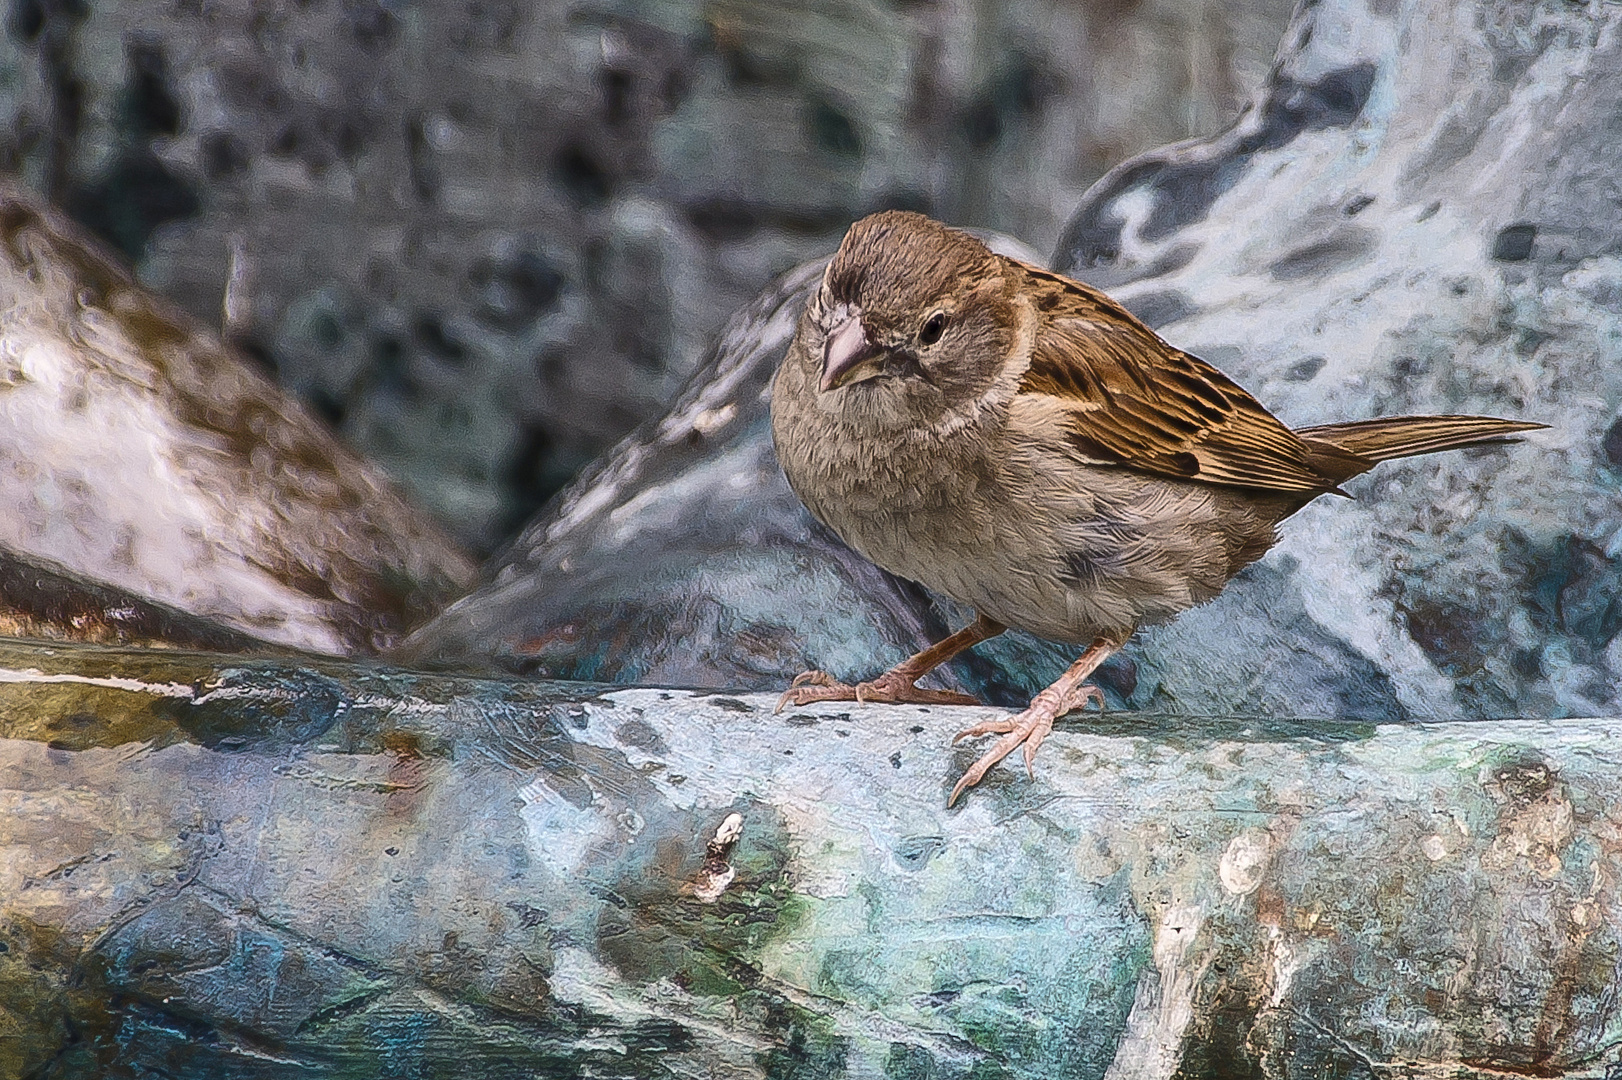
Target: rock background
<point x="248" y="866"/>
<point x="163" y="474"/>
<point x="1420" y="214"/>
<point x="486" y="240"/>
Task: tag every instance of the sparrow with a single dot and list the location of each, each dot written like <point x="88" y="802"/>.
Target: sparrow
<point x="1021" y="443"/>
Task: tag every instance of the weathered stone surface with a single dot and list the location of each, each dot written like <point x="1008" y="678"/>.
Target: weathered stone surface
<point x="218" y="866"/>
<point x="137" y="451"/>
<point x="489" y="239"/>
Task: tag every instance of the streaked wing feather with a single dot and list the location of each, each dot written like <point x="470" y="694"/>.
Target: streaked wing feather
<point x="1141" y="404"/>
<point x="1404" y="436"/>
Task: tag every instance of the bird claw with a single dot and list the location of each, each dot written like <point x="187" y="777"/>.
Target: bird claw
<point x="806" y="687"/>
<point x="888" y="689"/>
<point x="1028" y="728"/>
<point x="1078" y="698"/>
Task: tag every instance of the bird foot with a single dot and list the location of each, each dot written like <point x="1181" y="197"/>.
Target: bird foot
<point x="1028" y="728"/>
<point x="891" y="688"/>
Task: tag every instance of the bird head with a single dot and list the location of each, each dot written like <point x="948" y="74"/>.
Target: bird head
<point x="911" y="314"/>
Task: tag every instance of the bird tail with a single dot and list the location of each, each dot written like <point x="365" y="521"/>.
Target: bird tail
<point x="1405" y="436"/>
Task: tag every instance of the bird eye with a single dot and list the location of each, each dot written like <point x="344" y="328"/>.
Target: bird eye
<point x="933" y="328"/>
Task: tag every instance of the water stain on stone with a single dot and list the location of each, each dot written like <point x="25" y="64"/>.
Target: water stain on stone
<point x="1514" y="243"/>
<point x="915" y="852"/>
<point x="642" y="735"/>
<point x="1523" y="781"/>
<point x="1161" y="308"/>
<point x="908" y="1062"/>
<point x="582" y="175"/>
<point x="1304" y="369"/>
<point x="1446" y="632"/>
<point x="1571" y="586"/>
<point x="138" y="192"/>
<point x="1611" y="444"/>
<point x="1337" y="251"/>
<point x="830" y="128"/>
<point x="406" y="775"/>
<point x="515" y="288"/>
<point x="1119" y="674"/>
<point x="659" y="930"/>
<point x="257" y="706"/>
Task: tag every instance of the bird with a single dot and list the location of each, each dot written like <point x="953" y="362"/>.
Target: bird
<point x="1021" y="443"/>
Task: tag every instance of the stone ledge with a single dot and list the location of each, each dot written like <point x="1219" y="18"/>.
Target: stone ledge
<point x="325" y="863"/>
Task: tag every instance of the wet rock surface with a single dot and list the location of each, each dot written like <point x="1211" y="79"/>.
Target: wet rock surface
<point x="139" y="453"/>
<point x="218" y="865"/>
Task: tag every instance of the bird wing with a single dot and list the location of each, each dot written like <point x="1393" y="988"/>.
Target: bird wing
<point x="1129" y="399"/>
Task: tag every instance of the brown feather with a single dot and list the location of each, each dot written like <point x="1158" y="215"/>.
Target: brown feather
<point x="1140" y="403"/>
<point x="1405" y="436"/>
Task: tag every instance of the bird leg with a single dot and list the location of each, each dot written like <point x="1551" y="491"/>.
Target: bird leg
<point x="896" y="686"/>
<point x="1030" y="727"/>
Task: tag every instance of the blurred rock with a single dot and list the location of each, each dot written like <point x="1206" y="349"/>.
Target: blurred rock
<point x="138" y="452"/>
<point x="48" y="603"/>
<point x="226" y="867"/>
<point x="487" y="240"/>
<point x="1420" y="215"/>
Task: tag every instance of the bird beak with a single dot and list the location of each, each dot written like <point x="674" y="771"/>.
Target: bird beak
<point x="848" y="356"/>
